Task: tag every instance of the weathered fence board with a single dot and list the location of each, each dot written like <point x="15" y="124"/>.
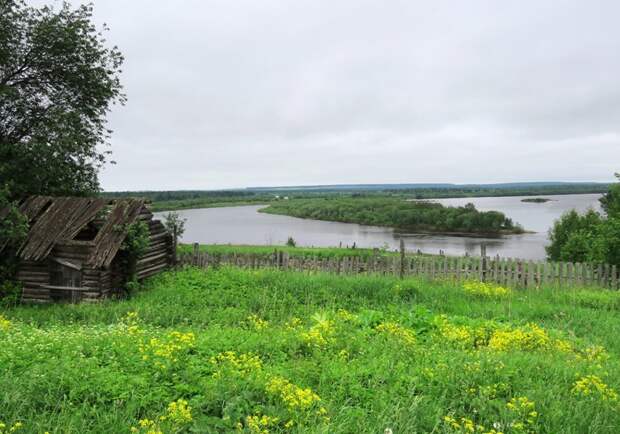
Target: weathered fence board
<point x="504" y="271"/>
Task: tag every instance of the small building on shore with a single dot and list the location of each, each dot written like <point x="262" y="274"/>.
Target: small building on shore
<point x="72" y="251"/>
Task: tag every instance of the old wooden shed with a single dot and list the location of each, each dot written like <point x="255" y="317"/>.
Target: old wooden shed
<point x="73" y="247"/>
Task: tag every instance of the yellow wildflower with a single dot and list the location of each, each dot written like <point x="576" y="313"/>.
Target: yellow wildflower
<point x="525" y="412"/>
<point x="595" y="353"/>
<point x="462" y="336"/>
<point x="179" y="412"/>
<point x="230" y="361"/>
<point x="167" y="350"/>
<point x="260" y="424"/>
<point x="293" y="323"/>
<point x="4" y="429"/>
<point x="5" y="324"/>
<point x="404" y="334"/>
<point x="320" y="334"/>
<point x="293" y="396"/>
<point x="256" y="322"/>
<point x="345" y="315"/>
<point x="528" y="338"/>
<point x="485" y="289"/>
<point x="592" y="385"/>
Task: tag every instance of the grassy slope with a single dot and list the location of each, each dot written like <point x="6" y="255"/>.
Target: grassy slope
<point x="79" y="368"/>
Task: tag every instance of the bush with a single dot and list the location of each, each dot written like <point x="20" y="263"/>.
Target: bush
<point x="10" y="293"/>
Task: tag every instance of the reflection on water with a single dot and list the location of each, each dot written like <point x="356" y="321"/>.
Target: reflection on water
<point x="244" y="225"/>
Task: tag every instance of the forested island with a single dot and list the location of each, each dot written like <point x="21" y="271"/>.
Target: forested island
<point x="419" y="216"/>
<point x="535" y="200"/>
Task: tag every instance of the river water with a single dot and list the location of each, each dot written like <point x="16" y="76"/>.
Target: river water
<point x="245" y="225"/>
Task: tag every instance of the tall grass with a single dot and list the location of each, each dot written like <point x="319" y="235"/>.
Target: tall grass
<point x="307" y="252"/>
<point x="273" y="351"/>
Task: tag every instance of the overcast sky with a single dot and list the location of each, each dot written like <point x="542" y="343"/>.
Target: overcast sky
<point x="234" y="93"/>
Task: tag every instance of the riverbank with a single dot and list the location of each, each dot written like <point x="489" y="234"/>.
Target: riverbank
<point x="198" y="204"/>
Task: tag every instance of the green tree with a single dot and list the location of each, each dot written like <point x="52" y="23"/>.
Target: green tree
<point x="13" y="225"/>
<point x="13" y="228"/>
<point x="589" y="237"/>
<point x="610" y="202"/>
<point x="605" y="246"/>
<point x="569" y="235"/>
<point x="58" y="80"/>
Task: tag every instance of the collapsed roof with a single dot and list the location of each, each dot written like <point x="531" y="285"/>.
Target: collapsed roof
<point x="58" y="220"/>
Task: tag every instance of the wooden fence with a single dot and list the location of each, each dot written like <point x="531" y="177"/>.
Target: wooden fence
<point x="504" y="271"/>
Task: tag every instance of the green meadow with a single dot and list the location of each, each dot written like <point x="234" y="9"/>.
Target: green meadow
<point x="299" y="252"/>
<point x="267" y="351"/>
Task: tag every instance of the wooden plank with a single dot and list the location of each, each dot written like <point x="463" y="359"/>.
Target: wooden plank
<point x="606" y="276"/>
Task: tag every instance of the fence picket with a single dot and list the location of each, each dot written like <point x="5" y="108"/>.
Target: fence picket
<point x="503" y="271"/>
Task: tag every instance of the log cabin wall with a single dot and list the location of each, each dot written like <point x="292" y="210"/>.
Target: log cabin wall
<point x="33" y="275"/>
<point x="159" y="253"/>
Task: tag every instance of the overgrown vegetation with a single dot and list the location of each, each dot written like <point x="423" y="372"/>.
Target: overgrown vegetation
<point x="265" y="351"/>
<point x="13" y="229"/>
<point x="175" y="224"/>
<point x="591" y="236"/>
<point x="135" y="244"/>
<point x="397" y="213"/>
<point x="58" y="80"/>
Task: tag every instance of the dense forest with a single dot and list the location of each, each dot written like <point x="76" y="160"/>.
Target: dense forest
<point x="531" y="189"/>
<point x="396" y="213"/>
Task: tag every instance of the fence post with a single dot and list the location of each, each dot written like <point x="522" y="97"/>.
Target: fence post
<point x="402" y="258"/>
<point x="196" y="251"/>
<point x="174" y="246"/>
<point x="483" y="265"/>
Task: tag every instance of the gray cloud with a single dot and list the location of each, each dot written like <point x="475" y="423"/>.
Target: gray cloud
<point x="235" y="93"/>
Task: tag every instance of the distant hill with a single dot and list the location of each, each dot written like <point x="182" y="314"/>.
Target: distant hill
<point x="430" y="186"/>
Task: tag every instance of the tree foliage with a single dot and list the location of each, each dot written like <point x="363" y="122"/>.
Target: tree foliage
<point x="58" y="80"/>
<point x="175" y="224"/>
<point x="589" y="237"/>
<point x="13" y="229"/>
<point x="134" y="246"/>
<point x="426" y="216"/>
<point x="13" y="225"/>
<point x="610" y="202"/>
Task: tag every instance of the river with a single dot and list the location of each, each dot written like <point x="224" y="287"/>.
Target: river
<point x="245" y="225"/>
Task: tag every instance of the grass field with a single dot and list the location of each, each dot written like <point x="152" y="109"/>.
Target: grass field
<point x="233" y="350"/>
<point x="310" y="252"/>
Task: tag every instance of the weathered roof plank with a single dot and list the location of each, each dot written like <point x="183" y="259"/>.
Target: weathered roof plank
<point x="56" y="220"/>
<point x="111" y="235"/>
